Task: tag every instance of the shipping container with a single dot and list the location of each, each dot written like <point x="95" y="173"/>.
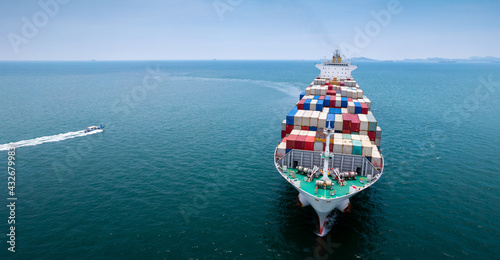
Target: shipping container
<point x="338" y="122"/>
<point x="300" y="142"/>
<point x="314" y="118"/>
<point x="309" y="144"/>
<point x="343" y="102"/>
<point x="313" y="104"/>
<point x="306" y="119"/>
<point x="318" y="146"/>
<point x="357" y="108"/>
<point x="354" y="123"/>
<point x="322" y="120"/>
<point x="307" y="104"/>
<point x="363" y="122"/>
<point x="367" y="148"/>
<point x="372" y="135"/>
<point x="298" y="117"/>
<point x="319" y="105"/>
<point x="289" y="128"/>
<point x="302" y="94"/>
<point x="327" y="101"/>
<point x="300" y="105"/>
<point x="372" y="123"/>
<point x="357" y="148"/>
<point x="347" y="146"/>
<point x="290" y="116"/>
<point x="364" y="108"/>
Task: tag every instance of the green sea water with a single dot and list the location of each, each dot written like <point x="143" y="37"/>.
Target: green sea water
<point x="184" y="168"/>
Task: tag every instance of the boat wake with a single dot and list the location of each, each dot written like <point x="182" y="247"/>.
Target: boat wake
<point x="330" y="221"/>
<point x="47" y="139"/>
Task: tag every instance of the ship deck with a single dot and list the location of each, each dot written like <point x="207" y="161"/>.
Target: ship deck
<point x="327" y="193"/>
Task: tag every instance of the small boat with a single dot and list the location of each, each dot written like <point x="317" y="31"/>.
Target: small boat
<point x="93" y="128"/>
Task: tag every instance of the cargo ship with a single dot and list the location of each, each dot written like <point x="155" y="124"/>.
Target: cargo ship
<point x="330" y="142"/>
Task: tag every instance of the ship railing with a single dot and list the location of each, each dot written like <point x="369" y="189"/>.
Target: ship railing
<point x="344" y="162"/>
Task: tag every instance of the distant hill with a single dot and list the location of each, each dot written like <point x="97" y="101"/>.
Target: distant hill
<point x="488" y="59"/>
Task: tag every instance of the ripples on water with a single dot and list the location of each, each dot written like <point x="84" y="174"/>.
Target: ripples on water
<point x="189" y="173"/>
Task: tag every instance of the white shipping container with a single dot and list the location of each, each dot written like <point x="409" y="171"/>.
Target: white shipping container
<point x="283" y="125"/>
<point x="360" y="93"/>
<point x="337" y="145"/>
<point x="297" y="119"/>
<point x="318" y="146"/>
<point x="323" y="91"/>
<point x="308" y="91"/>
<point x="349" y="93"/>
<point x="295" y="132"/>
<point x="367" y="148"/>
<point x="303" y="132"/>
<point x="343" y="91"/>
<point x="313" y="104"/>
<point x="346" y="146"/>
<point x="344" y="110"/>
<point x="281" y="149"/>
<point x="363" y="120"/>
<point x="338" y="124"/>
<point x="337" y="136"/>
<point x="314" y="118"/>
<point x="363" y="133"/>
<point x="311" y="133"/>
<point x="368" y="103"/>
<point x="376" y="159"/>
<point x="297" y="127"/>
<point x="322" y="120"/>
<point x="355" y="137"/>
<point x="306" y="119"/>
<point x="338" y="101"/>
<point x="379" y="133"/>
<point x="364" y="137"/>
<point x="350" y="107"/>
<point x="377" y="141"/>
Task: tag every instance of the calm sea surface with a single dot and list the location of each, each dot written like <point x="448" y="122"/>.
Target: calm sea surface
<point x="184" y="168"/>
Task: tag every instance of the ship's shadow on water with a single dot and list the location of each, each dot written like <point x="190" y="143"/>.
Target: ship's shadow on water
<point x="291" y="232"/>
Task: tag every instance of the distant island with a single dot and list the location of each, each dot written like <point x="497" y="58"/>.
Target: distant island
<point x="488" y="59"/>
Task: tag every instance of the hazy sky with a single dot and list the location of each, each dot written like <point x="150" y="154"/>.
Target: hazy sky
<point x="247" y="29"/>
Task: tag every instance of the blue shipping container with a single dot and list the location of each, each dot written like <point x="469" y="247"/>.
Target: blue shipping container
<point x="335" y="111"/>
<point x="302" y="95"/>
<point x="316" y="97"/>
<point x="357" y="108"/>
<point x="307" y="104"/>
<point x="319" y="105"/>
<point x="343" y="102"/>
<point x="327" y="101"/>
<point x="290" y="116"/>
<point x="313" y="128"/>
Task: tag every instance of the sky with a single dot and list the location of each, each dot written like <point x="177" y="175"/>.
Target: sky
<point x="247" y="29"/>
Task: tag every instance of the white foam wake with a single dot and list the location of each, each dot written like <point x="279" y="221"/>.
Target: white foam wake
<point x="47" y="139"/>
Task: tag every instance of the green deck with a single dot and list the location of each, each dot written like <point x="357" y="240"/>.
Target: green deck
<point x="309" y="187"/>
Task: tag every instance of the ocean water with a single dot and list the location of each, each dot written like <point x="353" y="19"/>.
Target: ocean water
<point x="184" y="168"/>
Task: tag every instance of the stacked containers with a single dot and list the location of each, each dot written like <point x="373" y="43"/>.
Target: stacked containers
<point x="357" y="148"/>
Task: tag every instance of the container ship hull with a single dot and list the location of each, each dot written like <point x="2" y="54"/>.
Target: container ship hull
<point x="330" y="146"/>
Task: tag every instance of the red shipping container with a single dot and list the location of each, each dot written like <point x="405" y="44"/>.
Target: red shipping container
<point x="372" y="135"/>
<point x="346" y="121"/>
<point x="330" y="92"/>
<point x="364" y="108"/>
<point x="330" y="87"/>
<point x="321" y="97"/>
<point x="349" y="99"/>
<point x="284" y="139"/>
<point x="290" y="142"/>
<point x="300" y="105"/>
<point x="300" y="142"/>
<point x="283" y="134"/>
<point x="342" y="83"/>
<point x="306" y="128"/>
<point x="309" y="143"/>
<point x="355" y="123"/>
<point x="346" y="131"/>
<point x="289" y="128"/>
